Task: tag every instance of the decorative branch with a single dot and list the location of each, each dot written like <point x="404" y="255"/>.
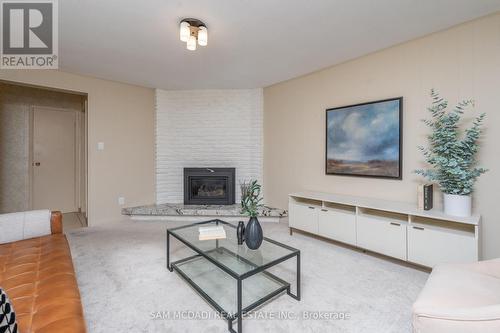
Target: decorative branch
<point x="251" y="198"/>
<point x="452" y="154"/>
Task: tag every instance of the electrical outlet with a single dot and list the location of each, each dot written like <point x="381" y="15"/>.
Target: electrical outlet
<point x="121" y="201"/>
<point x="100" y="146"/>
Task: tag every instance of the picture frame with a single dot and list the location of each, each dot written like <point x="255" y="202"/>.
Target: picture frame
<point x="365" y="139"/>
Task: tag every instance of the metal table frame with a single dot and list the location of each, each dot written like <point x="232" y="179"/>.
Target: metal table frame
<point x="238" y="277"/>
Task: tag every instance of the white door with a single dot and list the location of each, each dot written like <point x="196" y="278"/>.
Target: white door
<point x="382" y="235"/>
<point x="304" y="217"/>
<point x="338" y="224"/>
<point x="54" y="159"/>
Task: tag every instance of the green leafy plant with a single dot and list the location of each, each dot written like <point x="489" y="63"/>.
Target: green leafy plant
<point x="452" y="152"/>
<point x="251" y="198"/>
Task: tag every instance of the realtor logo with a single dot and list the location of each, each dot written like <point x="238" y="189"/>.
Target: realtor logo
<point x="29" y="34"/>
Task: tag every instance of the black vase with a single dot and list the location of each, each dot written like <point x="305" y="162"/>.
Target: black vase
<point x="253" y="234"/>
<point x="240" y="233"/>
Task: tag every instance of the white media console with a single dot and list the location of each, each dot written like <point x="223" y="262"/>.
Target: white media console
<point x="395" y="229"/>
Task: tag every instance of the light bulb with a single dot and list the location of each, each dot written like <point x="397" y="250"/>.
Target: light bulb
<point x="203" y="36"/>
<point x="184" y="32"/>
<point x="191" y="43"/>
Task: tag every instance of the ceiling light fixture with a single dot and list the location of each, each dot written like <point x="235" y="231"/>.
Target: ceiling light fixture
<point x="192" y="32"/>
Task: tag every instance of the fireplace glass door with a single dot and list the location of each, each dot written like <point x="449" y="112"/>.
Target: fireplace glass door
<point x="209" y="186"/>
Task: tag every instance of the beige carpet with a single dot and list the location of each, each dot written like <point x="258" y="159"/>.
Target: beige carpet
<point x="124" y="284"/>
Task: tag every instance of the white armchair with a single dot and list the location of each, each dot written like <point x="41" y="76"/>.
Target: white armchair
<point x="460" y="298"/>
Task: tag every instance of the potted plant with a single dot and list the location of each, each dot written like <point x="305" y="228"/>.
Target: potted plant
<point x="250" y="204"/>
<point x="452" y="154"/>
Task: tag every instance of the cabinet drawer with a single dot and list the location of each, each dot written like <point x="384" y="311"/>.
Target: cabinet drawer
<point x="304" y="217"/>
<point x="430" y="246"/>
<point x="337" y="224"/>
<point x="382" y="235"/>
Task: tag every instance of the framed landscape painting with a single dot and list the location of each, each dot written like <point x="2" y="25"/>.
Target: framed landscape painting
<point x="365" y="139"/>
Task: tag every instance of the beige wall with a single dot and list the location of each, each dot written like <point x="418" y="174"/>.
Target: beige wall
<point x="121" y="116"/>
<point x="462" y="62"/>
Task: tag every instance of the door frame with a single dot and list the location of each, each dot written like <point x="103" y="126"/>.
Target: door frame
<point x="80" y="154"/>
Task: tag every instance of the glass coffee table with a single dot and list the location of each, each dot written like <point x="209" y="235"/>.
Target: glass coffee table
<point x="231" y="277"/>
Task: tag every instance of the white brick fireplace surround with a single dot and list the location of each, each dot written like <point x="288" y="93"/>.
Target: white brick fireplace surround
<point x="207" y="128"/>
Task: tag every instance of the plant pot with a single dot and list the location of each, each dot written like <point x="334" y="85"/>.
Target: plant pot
<point x="457" y="205"/>
<point x="253" y="234"/>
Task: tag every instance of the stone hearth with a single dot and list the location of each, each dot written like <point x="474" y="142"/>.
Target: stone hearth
<point x="176" y="212"/>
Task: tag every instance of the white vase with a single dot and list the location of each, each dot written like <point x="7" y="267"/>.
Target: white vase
<point x="457" y="205"/>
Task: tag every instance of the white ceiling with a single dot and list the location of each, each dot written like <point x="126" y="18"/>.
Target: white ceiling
<point x="252" y="43"/>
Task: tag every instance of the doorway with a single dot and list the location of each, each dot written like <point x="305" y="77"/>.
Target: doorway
<point x="43" y="136"/>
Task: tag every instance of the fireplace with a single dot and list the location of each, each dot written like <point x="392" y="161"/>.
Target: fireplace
<point x="209" y="186"/>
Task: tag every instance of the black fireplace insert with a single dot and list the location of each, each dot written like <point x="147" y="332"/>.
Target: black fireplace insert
<point x="209" y="186"/>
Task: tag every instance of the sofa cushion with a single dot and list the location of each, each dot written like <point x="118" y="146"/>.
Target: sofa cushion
<point x="24" y="225"/>
<point x="8" y="323"/>
<point x="39" y="276"/>
<point x="452" y="288"/>
<point x="460" y="298"/>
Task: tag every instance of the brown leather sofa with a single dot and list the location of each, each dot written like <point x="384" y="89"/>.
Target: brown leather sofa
<point x="39" y="278"/>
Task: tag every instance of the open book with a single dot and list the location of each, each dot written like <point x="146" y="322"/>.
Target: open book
<point x="212" y="232"/>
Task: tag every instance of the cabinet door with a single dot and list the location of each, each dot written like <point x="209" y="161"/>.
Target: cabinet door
<point x="338" y="224"/>
<point x="304" y="217"/>
<point x="431" y="246"/>
<point x="382" y="235"/>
